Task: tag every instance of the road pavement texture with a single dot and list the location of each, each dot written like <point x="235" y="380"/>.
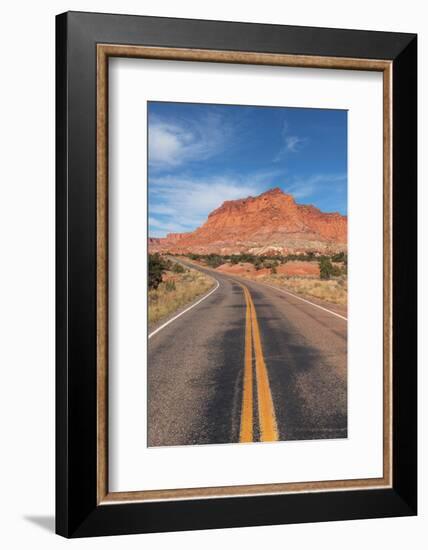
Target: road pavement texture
<point x="248" y="363"/>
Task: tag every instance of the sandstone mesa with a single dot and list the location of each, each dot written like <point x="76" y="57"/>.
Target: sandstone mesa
<point x="268" y="224"/>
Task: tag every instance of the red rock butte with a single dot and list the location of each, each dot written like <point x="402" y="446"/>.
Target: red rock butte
<point x="271" y="223"/>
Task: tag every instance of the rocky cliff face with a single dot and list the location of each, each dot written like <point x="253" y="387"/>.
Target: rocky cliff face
<point x="267" y="224"/>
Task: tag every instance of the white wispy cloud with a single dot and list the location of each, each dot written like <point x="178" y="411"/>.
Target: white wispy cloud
<point x="182" y="202"/>
<point x="161" y="209"/>
<point x="159" y="227"/>
<point x="176" y="142"/>
<point x="290" y="143"/>
<point x="294" y="143"/>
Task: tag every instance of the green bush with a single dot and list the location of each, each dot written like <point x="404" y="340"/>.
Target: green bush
<point x="258" y="264"/>
<point x="156" y="269"/>
<point x="326" y="268"/>
<point x="214" y="260"/>
<point x="178" y="268"/>
<point x="340" y="257"/>
<point x="194" y="257"/>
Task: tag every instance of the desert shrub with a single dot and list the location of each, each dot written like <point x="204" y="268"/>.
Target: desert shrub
<point x="326" y="268"/>
<point x="170" y="286"/>
<point x="337" y="271"/>
<point x="258" y="263"/>
<point x="194" y="257"/>
<point x="214" y="260"/>
<point x="156" y="269"/>
<point x="270" y="264"/>
<point x="340" y="257"/>
<point x="178" y="268"/>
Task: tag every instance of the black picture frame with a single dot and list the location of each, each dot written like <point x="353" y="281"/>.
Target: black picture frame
<point x="77" y="511"/>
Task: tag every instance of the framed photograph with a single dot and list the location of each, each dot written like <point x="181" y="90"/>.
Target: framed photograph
<point x="236" y="274"/>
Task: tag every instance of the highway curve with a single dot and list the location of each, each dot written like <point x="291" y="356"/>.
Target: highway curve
<point x="248" y="363"/>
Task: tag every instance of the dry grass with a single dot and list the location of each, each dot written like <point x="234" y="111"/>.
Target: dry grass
<point x="334" y="291"/>
<point x="177" y="290"/>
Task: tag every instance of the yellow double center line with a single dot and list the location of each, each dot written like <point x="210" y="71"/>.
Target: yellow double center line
<point x="266" y="411"/>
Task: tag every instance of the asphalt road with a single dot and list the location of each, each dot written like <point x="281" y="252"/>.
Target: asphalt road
<point x="248" y="363"/>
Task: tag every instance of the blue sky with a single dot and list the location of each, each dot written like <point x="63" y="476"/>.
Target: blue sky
<point x="201" y="155"/>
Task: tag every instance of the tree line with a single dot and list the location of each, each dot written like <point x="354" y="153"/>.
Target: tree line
<point x="158" y="265"/>
<point x="326" y="263"/>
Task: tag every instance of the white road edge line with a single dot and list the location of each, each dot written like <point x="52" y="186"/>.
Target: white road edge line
<point x="307" y="301"/>
<point x="185" y="311"/>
